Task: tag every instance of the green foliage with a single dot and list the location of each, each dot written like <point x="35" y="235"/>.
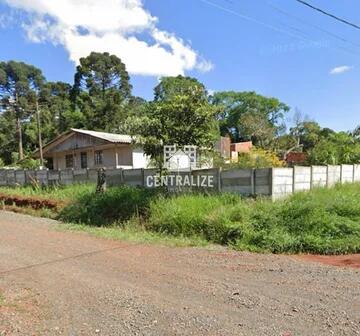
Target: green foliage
<point x="117" y="204"/>
<point x="2" y="164"/>
<point x="102" y="91"/>
<point x="336" y="148"/>
<point x="19" y="86"/>
<point x="249" y="116"/>
<point x="321" y="221"/>
<point x="196" y="215"/>
<point x="258" y="158"/>
<point x="28" y="163"/>
<point x="180" y="114"/>
<point x="325" y="221"/>
<point x="69" y="193"/>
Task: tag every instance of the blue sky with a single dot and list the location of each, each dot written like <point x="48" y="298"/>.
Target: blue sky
<point x="278" y="55"/>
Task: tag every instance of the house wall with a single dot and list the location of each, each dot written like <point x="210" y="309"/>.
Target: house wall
<point x="241" y="147"/>
<point x="114" y="156"/>
<point x="139" y="159"/>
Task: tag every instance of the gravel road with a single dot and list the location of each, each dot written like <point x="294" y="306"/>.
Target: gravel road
<point x="65" y="283"/>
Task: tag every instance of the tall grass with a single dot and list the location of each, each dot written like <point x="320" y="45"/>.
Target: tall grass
<point x="60" y="193"/>
<point x="323" y="221"/>
<point x="117" y="204"/>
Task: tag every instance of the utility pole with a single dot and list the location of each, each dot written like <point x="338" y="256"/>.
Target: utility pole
<point x="18" y="127"/>
<point x="39" y="133"/>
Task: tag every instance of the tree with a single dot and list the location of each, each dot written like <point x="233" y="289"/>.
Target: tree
<point x="249" y="107"/>
<point x="356" y="133"/>
<point x="19" y="86"/>
<point x="56" y="98"/>
<point x="102" y="91"/>
<point x="337" y="148"/>
<point x="180" y="114"/>
<point x="308" y="133"/>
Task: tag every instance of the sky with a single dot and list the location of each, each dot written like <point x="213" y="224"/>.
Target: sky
<point x="277" y="48"/>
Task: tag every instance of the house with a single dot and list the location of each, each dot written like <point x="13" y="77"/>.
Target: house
<point x="296" y="158"/>
<point x="80" y="149"/>
<point x="241" y="147"/>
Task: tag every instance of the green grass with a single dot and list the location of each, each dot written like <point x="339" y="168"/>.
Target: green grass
<point x="325" y="221"/>
<point x="59" y="193"/>
<point x="134" y="234"/>
<point x="117" y="204"/>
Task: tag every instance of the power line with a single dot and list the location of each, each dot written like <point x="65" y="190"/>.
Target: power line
<point x="338" y="37"/>
<point x="251" y="19"/>
<point x="329" y="14"/>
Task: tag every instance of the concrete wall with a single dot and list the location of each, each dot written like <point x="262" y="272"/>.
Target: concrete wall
<point x="302" y="178"/>
<point x="263" y="181"/>
<point x="238" y="180"/>
<point x="347" y="173"/>
<point x="356" y="173"/>
<point x="274" y="182"/>
<point x="318" y="176"/>
<point x="282" y="182"/>
<point x="334" y="175"/>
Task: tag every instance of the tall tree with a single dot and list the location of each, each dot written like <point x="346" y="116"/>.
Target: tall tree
<point x="239" y="110"/>
<point x="19" y="86"/>
<point x="180" y="114"/>
<point x="102" y="91"/>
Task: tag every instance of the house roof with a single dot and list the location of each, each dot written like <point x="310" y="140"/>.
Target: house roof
<point x="109" y="137"/>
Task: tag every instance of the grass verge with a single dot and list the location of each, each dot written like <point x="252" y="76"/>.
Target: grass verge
<point x="134" y="234"/>
<point x="325" y="221"/>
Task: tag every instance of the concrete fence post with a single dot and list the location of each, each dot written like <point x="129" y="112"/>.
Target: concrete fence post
<point x="341" y="174"/>
<point x="219" y="179"/>
<point x="143" y="183"/>
<point x="252" y="181"/>
<point x="294" y="180"/>
<point x="327" y="176"/>
<point x="353" y="173"/>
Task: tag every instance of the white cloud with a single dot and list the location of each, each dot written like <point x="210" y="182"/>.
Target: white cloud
<point x="82" y="26"/>
<point x="340" y="69"/>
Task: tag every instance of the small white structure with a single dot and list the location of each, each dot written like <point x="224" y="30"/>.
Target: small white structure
<point x="80" y="149"/>
<point x="183" y="158"/>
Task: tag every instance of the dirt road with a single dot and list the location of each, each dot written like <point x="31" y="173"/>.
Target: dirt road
<point x="63" y="283"/>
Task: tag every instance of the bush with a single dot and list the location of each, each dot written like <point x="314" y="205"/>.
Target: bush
<point x="196" y="215"/>
<point x="258" y="158"/>
<point x="325" y="221"/>
<point x="321" y="221"/>
<point x="117" y="204"/>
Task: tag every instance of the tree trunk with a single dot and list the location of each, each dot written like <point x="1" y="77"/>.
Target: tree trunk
<point x="19" y="132"/>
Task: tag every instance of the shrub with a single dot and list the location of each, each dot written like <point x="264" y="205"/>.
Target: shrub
<point x="320" y="221"/>
<point x="117" y="204"/>
<point x="196" y="215"/>
<point x="258" y="158"/>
